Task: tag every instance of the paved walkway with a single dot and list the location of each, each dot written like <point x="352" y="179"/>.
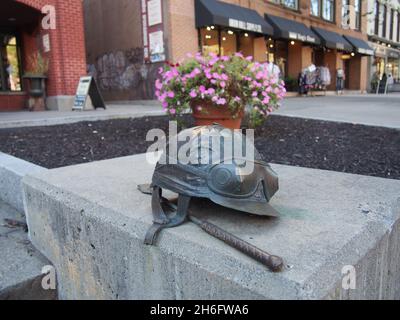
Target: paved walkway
<point x="120" y="111"/>
<point x="361" y="109"/>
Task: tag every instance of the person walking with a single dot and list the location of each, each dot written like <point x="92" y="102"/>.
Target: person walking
<point x="340" y="77"/>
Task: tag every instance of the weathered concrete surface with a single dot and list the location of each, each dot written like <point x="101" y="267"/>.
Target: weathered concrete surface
<point x="12" y="170"/>
<point x="20" y="263"/>
<point x="90" y="221"/>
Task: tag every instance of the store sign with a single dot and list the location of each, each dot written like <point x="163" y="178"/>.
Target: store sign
<point x="301" y="37"/>
<point x="238" y="24"/>
<point x="340" y="46"/>
<point x="365" y="51"/>
<point x="156" y="40"/>
<point x="87" y="87"/>
<point x="393" y="54"/>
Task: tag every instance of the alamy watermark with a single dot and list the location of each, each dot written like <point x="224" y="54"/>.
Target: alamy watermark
<point x="210" y="145"/>
<point x="49" y="280"/>
<point x="349" y="280"/>
<point x="49" y="21"/>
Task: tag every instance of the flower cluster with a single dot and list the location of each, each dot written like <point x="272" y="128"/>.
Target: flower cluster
<point x="234" y="81"/>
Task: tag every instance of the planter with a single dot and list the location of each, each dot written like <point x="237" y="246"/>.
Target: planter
<point x="36" y="85"/>
<point x="211" y="114"/>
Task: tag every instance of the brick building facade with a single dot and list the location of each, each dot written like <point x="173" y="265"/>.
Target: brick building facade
<point x="21" y="24"/>
<point x="124" y="76"/>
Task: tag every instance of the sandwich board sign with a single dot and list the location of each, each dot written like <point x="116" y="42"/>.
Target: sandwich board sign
<point x="88" y="87"/>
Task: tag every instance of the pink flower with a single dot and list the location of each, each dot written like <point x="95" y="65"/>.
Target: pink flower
<point x="225" y="58"/>
<point x="211" y="91"/>
<point x="193" y="94"/>
<point x="221" y="101"/>
<point x="224" y="77"/>
<point x="202" y="89"/>
<point x="215" y="99"/>
<point x="222" y="84"/>
<point x="266" y="100"/>
<point x="199" y="108"/>
<point x="254" y="94"/>
<point x="216" y="75"/>
<point x="172" y="111"/>
<point x="213" y="81"/>
<point x="159" y="84"/>
<point x="237" y="99"/>
<point x="239" y="54"/>
<point x="165" y="105"/>
<point x="171" y="94"/>
<point x="249" y="58"/>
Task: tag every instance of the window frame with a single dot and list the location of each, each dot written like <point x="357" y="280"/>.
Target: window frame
<point x="391" y="31"/>
<point x="384" y="25"/>
<point x="18" y="45"/>
<point x="358" y="15"/>
<point x="321" y="6"/>
<point x="398" y="26"/>
<point x="377" y="17"/>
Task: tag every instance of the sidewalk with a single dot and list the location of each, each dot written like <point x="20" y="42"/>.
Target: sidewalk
<point x="46" y="118"/>
<point x="382" y="110"/>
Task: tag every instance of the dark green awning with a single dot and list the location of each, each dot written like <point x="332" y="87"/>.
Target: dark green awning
<point x="217" y="13"/>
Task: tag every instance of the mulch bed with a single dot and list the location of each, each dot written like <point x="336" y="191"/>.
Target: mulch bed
<point x="358" y="149"/>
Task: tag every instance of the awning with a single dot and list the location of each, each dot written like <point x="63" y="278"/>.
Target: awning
<point x="360" y="46"/>
<point x="217" y="13"/>
<point x="289" y="29"/>
<point x="332" y="40"/>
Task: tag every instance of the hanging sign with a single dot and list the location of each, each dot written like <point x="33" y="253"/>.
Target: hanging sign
<point x="87" y="87"/>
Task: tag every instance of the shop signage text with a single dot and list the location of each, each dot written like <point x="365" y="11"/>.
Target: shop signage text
<point x="301" y="37"/>
<point x="365" y="51"/>
<point x="238" y="24"/>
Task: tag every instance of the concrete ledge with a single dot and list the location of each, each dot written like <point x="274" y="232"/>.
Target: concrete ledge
<point x="90" y="221"/>
<point x="12" y="170"/>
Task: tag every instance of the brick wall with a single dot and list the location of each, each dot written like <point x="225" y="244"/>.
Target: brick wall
<point x="67" y="55"/>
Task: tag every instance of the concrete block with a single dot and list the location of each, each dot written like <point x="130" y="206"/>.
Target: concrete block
<point x="90" y="222"/>
<point x="60" y="103"/>
<point x="20" y="264"/>
<point x="12" y="170"/>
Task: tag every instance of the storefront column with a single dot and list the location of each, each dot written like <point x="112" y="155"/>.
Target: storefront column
<point x="299" y="58"/>
<point x="358" y="73"/>
<point x="333" y="61"/>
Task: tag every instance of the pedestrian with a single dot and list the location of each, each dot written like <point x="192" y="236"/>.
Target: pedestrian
<point x="340" y="77"/>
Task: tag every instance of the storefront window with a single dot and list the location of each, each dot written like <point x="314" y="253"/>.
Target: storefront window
<point x="209" y="41"/>
<point x="10" y="79"/>
<point x="228" y="43"/>
<point x="218" y="42"/>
